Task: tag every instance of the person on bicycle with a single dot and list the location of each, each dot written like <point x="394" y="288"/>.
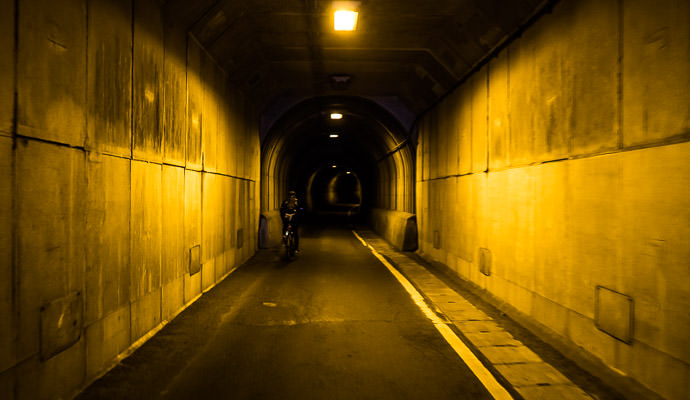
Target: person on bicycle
<point x="288" y="213"/>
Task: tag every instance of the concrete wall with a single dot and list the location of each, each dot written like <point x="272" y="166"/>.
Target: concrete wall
<point x="393" y="214"/>
<point x="557" y="179"/>
<point x="128" y="173"/>
<point x="399" y="228"/>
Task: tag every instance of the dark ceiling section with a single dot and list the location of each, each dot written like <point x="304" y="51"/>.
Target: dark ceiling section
<point x="414" y="51"/>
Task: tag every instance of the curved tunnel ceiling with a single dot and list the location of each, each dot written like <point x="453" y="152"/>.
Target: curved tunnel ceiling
<point x="300" y="143"/>
<point x="404" y="55"/>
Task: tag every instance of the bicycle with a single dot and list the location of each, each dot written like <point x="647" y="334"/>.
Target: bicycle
<point x="289" y="239"/>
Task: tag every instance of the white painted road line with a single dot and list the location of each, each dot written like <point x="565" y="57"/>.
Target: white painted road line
<point x="478" y="369"/>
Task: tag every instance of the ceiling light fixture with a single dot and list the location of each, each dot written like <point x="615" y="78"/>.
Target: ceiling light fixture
<point x="345" y="15"/>
<point x="336" y="116"/>
<point x="333" y="135"/>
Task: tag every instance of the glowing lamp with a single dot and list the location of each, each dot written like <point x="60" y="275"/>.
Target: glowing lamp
<point x="344" y="20"/>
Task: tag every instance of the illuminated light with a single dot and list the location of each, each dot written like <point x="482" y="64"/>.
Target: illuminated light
<point x="336" y="116"/>
<point x="348" y="172"/>
<point x="345" y="20"/>
<point x="334" y="166"/>
<point x="333" y="135"/>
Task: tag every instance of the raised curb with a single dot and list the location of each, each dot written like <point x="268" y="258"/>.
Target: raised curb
<point x="525" y="371"/>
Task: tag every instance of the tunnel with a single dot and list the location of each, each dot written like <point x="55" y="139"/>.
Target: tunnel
<point x="530" y="154"/>
<point x="361" y="162"/>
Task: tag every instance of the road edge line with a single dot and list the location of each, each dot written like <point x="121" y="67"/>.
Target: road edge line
<point x="485" y="376"/>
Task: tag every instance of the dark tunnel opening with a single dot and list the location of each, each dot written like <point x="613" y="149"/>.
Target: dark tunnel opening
<point x="357" y="165"/>
<point x="333" y="189"/>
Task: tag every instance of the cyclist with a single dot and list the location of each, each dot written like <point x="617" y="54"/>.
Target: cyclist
<point x="290" y="206"/>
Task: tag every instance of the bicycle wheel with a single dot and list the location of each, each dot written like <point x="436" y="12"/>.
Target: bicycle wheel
<point x="290" y="246"/>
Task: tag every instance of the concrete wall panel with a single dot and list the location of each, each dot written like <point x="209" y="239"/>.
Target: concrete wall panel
<point x="210" y="228"/>
<point x="229" y="223"/>
<point x="499" y="117"/>
<point x="50" y="209"/>
<point x="7" y="384"/>
<point x="109" y="75"/>
<point x="444" y="154"/>
<point x="172" y="298"/>
<point x="108" y="211"/>
<point x="656" y="70"/>
<point x="656" y="225"/>
<point x="522" y="109"/>
<point x="464" y="131"/>
<point x="209" y="131"/>
<point x="594" y="221"/>
<point x="7" y="77"/>
<point x="552" y="217"/>
<point x="173" y="243"/>
<point x="61" y="375"/>
<point x="194" y="104"/>
<point x="148" y="66"/>
<point x="105" y="339"/>
<point x="6" y="262"/>
<point x="175" y="104"/>
<point x="208" y="274"/>
<point x="146" y="313"/>
<point x="51" y="68"/>
<point x="222" y="147"/>
<point x="593" y="77"/>
<point x="192" y="227"/>
<point x="478" y="87"/>
<point x="446" y="137"/>
<point x="146" y="229"/>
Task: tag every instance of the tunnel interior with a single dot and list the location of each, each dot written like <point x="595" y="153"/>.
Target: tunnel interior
<point x="356" y="161"/>
<point x="536" y="149"/>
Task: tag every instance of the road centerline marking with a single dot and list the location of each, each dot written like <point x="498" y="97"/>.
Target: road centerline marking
<point x="487" y="379"/>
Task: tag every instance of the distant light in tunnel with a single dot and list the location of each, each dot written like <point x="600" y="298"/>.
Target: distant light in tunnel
<point x="348" y="172"/>
<point x="334" y="166"/>
<point x="336" y="116"/>
<point x="345" y="20"/>
<point x="333" y="135"/>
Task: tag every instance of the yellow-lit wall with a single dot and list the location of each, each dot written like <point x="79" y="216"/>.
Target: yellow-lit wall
<point x="129" y="149"/>
<point x="567" y="158"/>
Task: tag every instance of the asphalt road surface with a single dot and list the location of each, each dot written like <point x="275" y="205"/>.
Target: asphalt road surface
<point x="331" y="324"/>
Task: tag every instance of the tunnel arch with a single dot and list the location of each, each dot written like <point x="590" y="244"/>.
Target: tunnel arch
<point x="333" y="188"/>
<point x="371" y="144"/>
